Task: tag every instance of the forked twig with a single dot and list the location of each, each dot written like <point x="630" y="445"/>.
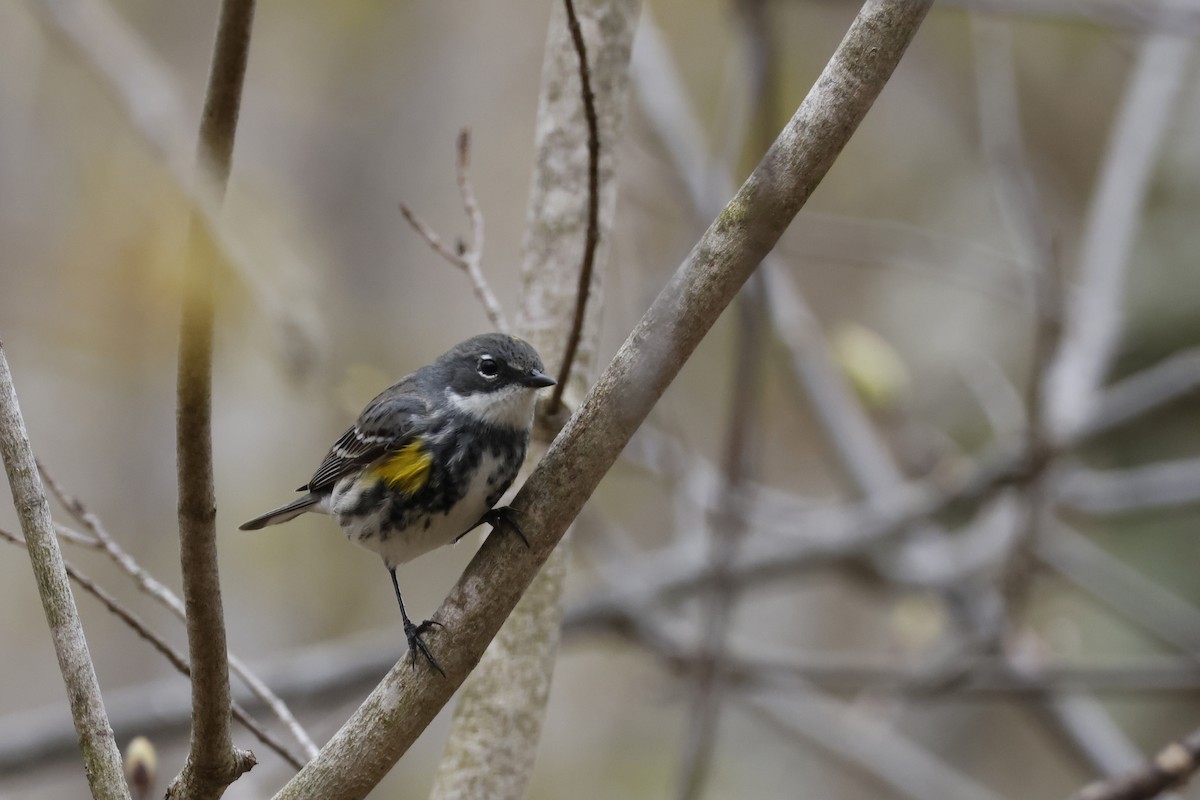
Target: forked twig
<point x="466" y="256"/>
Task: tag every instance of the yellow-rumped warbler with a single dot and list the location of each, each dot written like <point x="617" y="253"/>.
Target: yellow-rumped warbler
<point x="429" y="457"/>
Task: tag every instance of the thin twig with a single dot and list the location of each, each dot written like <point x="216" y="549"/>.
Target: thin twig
<point x="213" y="762"/>
<point x="75" y="537"/>
<point x="173" y="656"/>
<point x="467" y="257"/>
<point x="473" y="253"/>
<point x="432" y="239"/>
<point x="593" y="210"/>
<point x="100" y="537"/>
<point x="102" y="759"/>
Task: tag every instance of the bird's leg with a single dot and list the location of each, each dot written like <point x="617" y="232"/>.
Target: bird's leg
<point x="497" y="517"/>
<point x="413" y="632"/>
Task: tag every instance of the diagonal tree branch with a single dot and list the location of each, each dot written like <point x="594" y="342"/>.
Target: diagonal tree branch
<point x="213" y="762"/>
<point x="404" y="703"/>
<point x="101" y="758"/>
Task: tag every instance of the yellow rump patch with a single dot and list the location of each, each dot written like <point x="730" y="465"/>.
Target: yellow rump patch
<point x="406" y="470"/>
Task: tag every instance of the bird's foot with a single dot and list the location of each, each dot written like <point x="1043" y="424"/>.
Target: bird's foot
<point x="417" y="645"/>
<point x="504" y="516"/>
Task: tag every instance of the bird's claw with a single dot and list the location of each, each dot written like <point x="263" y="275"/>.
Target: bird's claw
<point x="417" y="645"/>
<point x="505" y="515"/>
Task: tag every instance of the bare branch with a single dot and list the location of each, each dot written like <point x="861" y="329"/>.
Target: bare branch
<point x="213" y="762"/>
<point x="101" y="758"/>
<point x="473" y="253"/>
<point x="432" y="239"/>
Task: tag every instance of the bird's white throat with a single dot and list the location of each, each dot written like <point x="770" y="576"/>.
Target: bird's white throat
<point x="510" y="407"/>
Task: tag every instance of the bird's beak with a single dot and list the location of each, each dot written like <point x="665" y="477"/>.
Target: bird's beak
<point x="536" y="379"/>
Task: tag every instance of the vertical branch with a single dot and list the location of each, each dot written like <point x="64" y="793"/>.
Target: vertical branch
<point x="591" y="240"/>
<point x="497" y="724"/>
<point x="213" y="763"/>
<point x="101" y="758"/>
<point x="728" y="520"/>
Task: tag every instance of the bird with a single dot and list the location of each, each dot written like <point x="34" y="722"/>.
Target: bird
<point x="428" y="459"/>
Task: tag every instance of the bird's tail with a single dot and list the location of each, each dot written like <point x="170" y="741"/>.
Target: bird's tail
<point x="283" y="513"/>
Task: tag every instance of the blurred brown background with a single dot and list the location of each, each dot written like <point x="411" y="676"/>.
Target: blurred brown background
<point x="353" y="107"/>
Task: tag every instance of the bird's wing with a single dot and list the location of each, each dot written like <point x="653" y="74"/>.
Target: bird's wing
<point x="388" y="423"/>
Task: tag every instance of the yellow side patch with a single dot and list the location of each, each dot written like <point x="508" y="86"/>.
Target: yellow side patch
<point x="406" y="470"/>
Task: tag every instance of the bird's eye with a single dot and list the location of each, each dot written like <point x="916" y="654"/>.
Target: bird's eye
<point x="488" y="368"/>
